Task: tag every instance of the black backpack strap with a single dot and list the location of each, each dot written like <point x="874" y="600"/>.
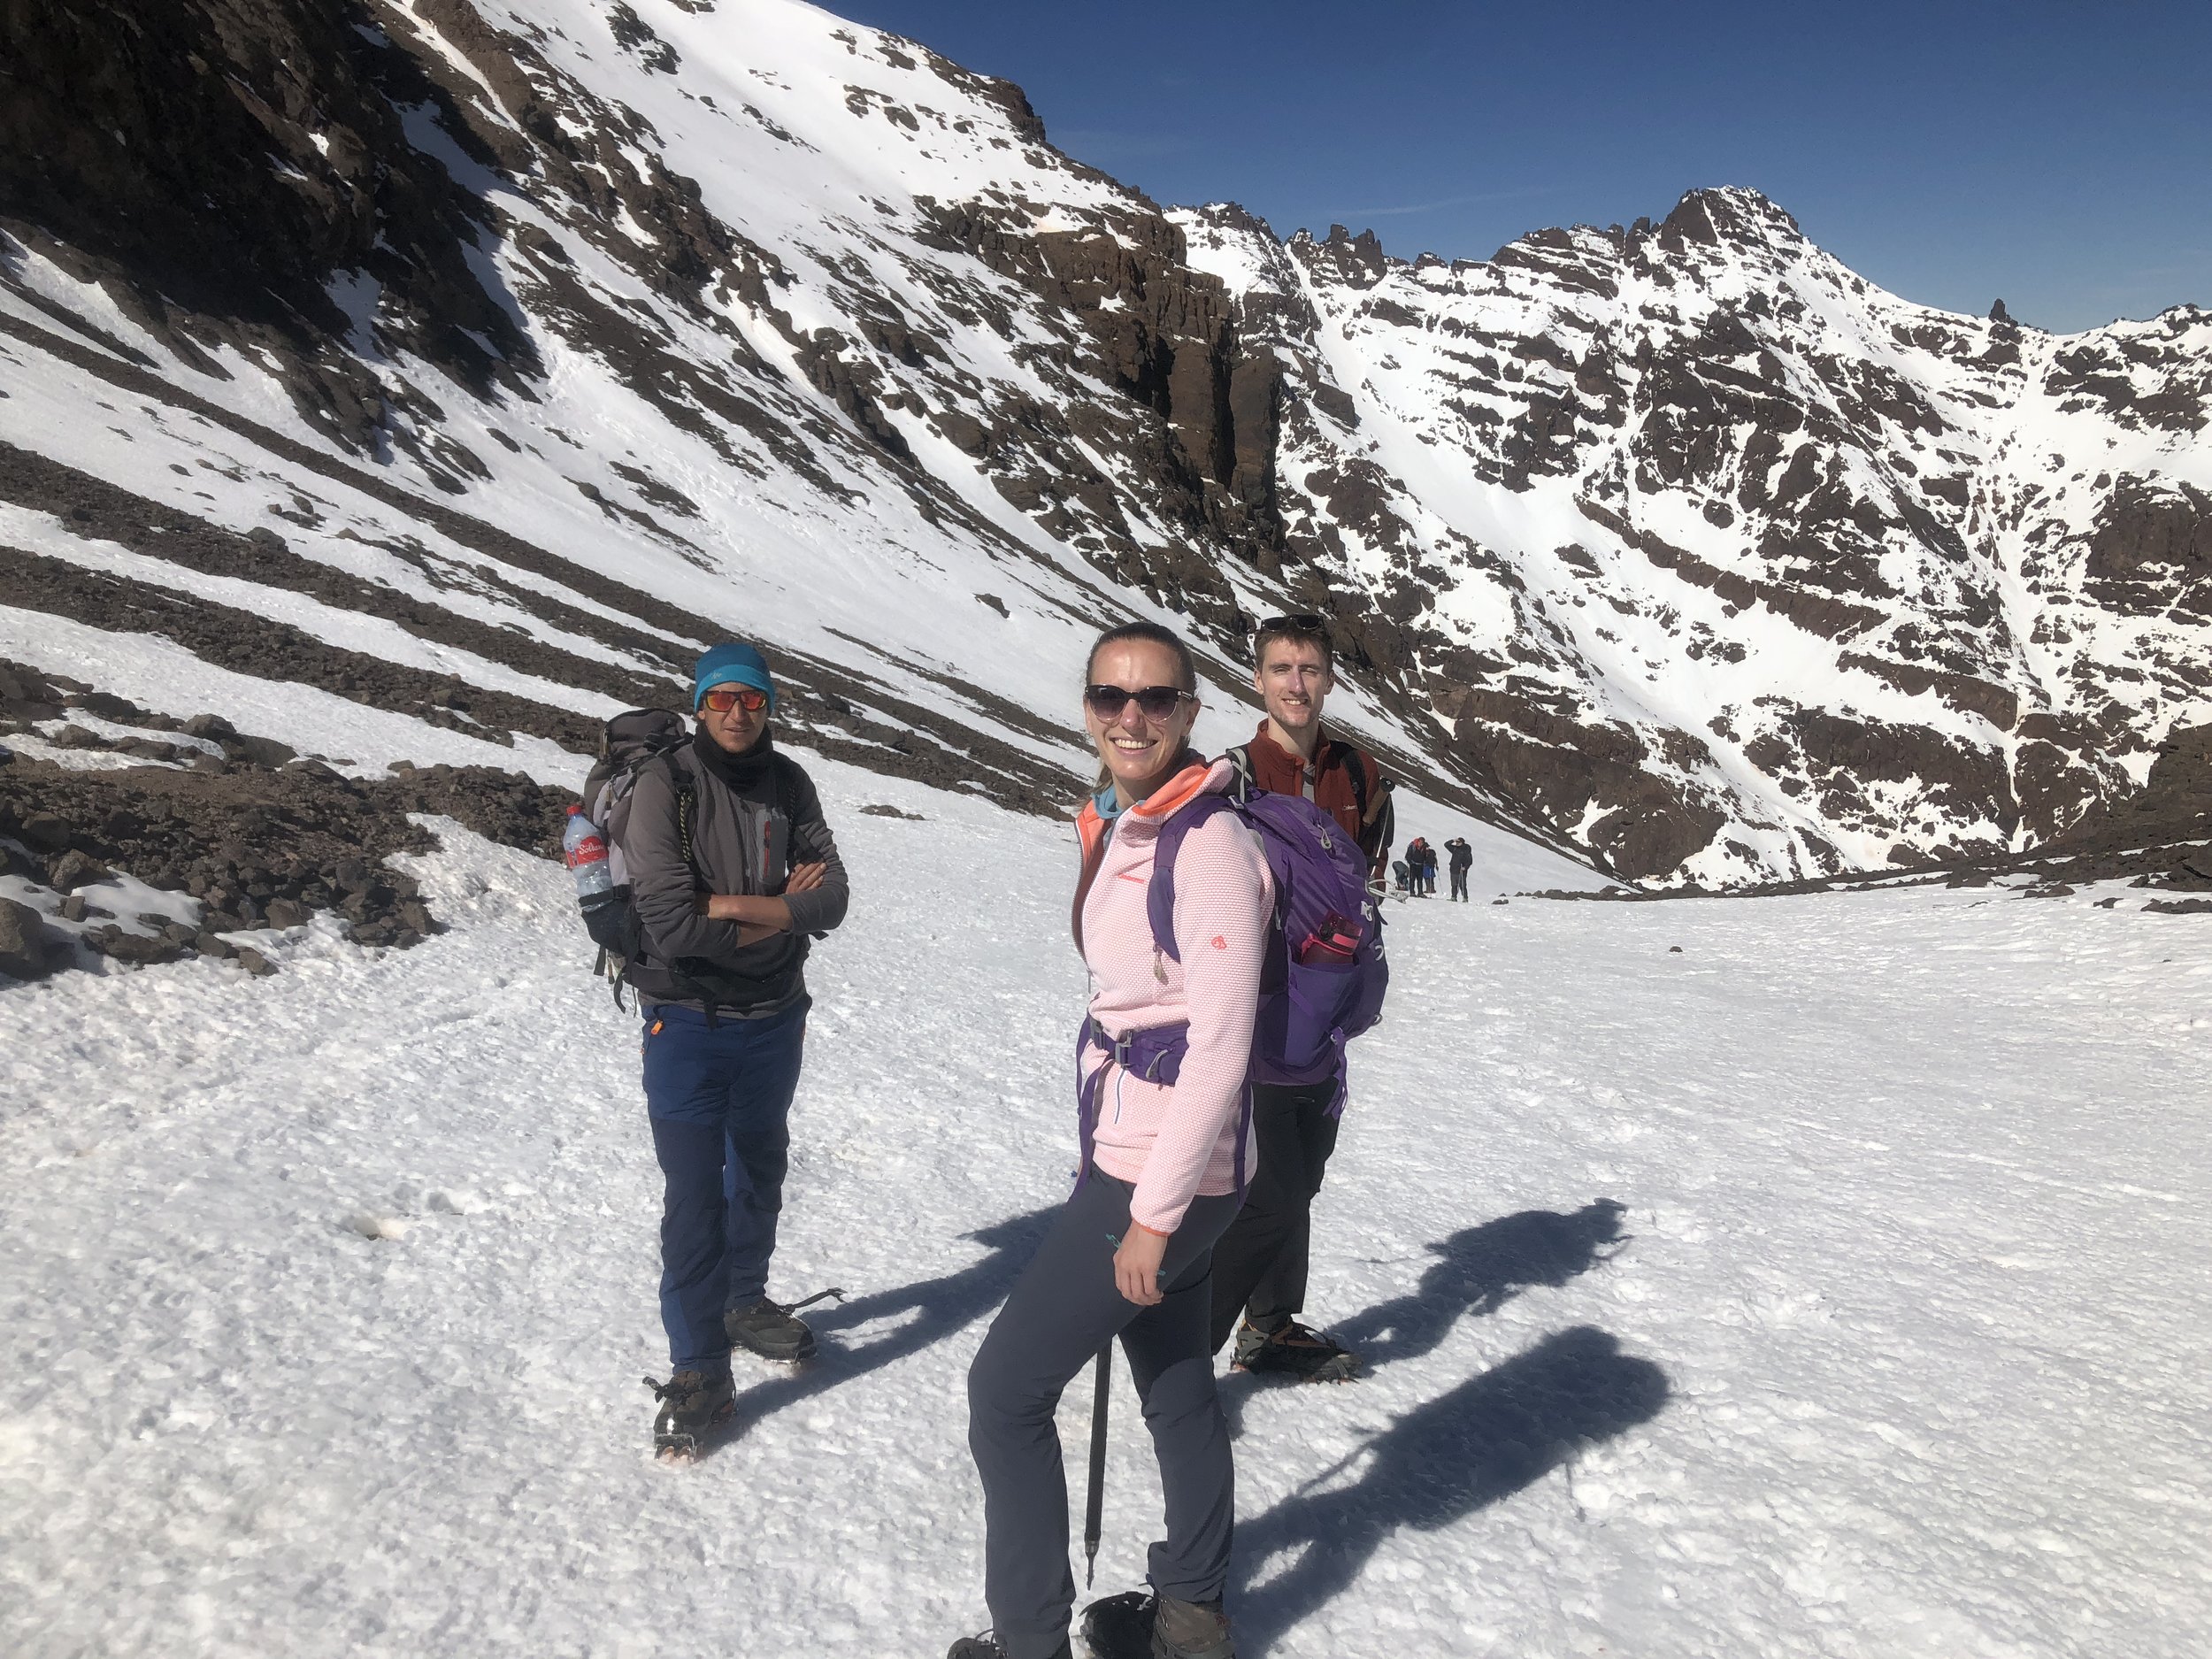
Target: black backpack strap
<point x="787" y="776"/>
<point x="1239" y="788"/>
<point x="1356" y="764"/>
<point x="687" y="803"/>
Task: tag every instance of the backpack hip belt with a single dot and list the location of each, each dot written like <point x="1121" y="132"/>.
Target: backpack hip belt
<point x="1153" y="1054"/>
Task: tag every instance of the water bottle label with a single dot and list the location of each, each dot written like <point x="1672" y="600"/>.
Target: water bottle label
<point x="589" y="850"/>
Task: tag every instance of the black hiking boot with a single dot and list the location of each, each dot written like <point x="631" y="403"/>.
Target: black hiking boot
<point x="692" y="1402"/>
<point x="1295" y="1350"/>
<point x="768" y="1329"/>
<point x="1140" y="1625"/>
<point x="988" y="1646"/>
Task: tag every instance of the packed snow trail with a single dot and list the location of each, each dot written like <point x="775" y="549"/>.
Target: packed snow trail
<point x="1836" y="1287"/>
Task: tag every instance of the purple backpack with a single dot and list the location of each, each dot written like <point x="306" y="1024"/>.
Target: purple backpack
<point x="1324" y="977"/>
<point x="1322" y="980"/>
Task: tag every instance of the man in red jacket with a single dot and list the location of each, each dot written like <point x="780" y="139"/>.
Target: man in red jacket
<point x="1260" y="1262"/>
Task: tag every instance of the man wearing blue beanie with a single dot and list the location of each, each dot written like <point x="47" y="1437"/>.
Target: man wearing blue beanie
<point x="731" y="664"/>
<point x="731" y="871"/>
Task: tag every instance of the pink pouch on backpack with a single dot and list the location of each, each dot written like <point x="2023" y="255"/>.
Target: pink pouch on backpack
<point x="1335" y="939"/>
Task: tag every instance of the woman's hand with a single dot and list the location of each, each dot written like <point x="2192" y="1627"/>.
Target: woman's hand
<point x="1137" y="1265"/>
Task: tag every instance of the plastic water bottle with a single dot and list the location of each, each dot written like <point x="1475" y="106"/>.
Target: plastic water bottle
<point x="584" y="849"/>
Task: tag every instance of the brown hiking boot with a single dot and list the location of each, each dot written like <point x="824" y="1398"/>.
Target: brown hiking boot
<point x="1139" y="1624"/>
<point x="1192" y="1630"/>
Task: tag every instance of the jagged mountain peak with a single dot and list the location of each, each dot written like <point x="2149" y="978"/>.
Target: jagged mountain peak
<point x="1721" y="215"/>
<point x="1718" y="216"/>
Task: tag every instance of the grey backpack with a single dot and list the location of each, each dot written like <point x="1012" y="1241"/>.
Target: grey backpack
<point x="630" y="743"/>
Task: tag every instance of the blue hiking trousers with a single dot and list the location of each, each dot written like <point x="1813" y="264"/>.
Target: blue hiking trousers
<point x="719" y="1102"/>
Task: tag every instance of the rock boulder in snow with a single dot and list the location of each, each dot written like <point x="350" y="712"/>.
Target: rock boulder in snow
<point x="22" y="941"/>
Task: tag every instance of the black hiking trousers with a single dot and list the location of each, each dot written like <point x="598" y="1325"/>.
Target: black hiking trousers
<point x="1063" y="1310"/>
<point x="1459" y="882"/>
<point x="1260" y="1264"/>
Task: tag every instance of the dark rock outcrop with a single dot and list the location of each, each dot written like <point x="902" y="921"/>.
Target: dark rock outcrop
<point x="24" y="950"/>
<point x="214" y="163"/>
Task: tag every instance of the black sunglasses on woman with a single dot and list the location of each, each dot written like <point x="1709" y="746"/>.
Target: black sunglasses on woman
<point x="1155" y="702"/>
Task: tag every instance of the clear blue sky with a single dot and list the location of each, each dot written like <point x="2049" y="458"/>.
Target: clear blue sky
<point x="1952" y="151"/>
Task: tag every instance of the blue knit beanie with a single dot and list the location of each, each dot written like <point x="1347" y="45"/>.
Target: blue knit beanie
<point x="732" y="663"/>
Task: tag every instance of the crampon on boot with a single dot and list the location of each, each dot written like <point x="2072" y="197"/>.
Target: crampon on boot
<point x="692" y="1402"/>
<point x="1295" y="1350"/>
<point x="768" y="1329"/>
<point x="1142" y="1625"/>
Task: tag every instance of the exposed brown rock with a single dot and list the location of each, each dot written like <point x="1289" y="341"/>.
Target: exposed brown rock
<point x="2151" y="550"/>
<point x="171" y="198"/>
<point x="23" y="947"/>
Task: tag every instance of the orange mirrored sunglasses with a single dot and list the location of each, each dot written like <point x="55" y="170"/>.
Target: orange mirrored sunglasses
<point x="721" y="699"/>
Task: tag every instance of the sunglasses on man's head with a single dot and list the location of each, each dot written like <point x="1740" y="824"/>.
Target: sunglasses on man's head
<point x="1155" y="702"/>
<point x="721" y="699"/>
<point x="1305" y="622"/>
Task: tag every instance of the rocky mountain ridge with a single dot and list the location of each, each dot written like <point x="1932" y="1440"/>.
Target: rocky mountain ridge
<point x="463" y="365"/>
<point x="1729" y="562"/>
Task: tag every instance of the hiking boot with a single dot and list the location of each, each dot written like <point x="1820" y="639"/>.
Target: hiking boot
<point x="691" y="1403"/>
<point x="988" y="1646"/>
<point x="1139" y="1624"/>
<point x="1192" y="1630"/>
<point x="768" y="1329"/>
<point x="1295" y="1350"/>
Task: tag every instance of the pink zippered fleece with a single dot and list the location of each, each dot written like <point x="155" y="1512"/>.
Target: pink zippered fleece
<point x="1174" y="1142"/>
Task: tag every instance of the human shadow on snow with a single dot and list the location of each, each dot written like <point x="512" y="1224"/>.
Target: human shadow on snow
<point x="1479" y="1269"/>
<point x="1484" y="1440"/>
<point x="940" y="1307"/>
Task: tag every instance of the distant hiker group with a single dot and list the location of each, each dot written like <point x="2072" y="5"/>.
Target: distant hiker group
<point x="1420" y="862"/>
<point x="1414" y="874"/>
<point x="1227" y="912"/>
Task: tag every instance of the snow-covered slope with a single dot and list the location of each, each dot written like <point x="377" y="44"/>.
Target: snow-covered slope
<point x="1704" y="1325"/>
<point x="1733" y="564"/>
<point x="640" y="457"/>
<point x="473" y="360"/>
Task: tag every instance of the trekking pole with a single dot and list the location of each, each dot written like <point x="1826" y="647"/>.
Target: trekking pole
<point x="1095" y="1505"/>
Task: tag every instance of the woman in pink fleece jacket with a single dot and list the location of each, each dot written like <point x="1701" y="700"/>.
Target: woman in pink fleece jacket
<point x="1166" y="1130"/>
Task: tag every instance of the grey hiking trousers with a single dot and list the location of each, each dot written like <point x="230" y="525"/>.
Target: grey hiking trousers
<point x="1064" y="1309"/>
